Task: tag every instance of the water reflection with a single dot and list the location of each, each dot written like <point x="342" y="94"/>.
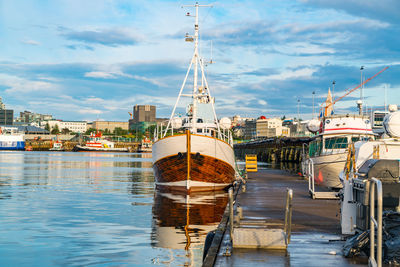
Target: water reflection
<point x="181" y="223"/>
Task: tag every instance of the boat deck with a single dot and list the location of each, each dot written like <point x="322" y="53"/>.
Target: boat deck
<point x="316" y="239"/>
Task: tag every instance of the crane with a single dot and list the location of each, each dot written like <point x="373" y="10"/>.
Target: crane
<point x="358" y="86"/>
<point x="131" y="115"/>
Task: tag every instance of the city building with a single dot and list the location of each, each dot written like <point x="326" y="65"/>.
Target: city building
<point x="72" y="126"/>
<point x="267" y="128"/>
<point x="6" y="115"/>
<point x="144" y="116"/>
<point x="31" y="118"/>
<point x="110" y="125"/>
<point x="250" y="129"/>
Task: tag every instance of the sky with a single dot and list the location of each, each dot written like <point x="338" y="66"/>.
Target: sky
<point x="95" y="60"/>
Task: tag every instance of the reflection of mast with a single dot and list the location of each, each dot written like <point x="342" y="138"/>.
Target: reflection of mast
<point x="187" y="223"/>
<point x="175" y="232"/>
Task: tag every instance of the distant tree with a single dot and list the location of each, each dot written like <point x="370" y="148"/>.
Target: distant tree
<point x="65" y="131"/>
<point x="106" y="131"/>
<point x="47" y="127"/>
<point x="55" y="129"/>
<point x="283" y="118"/>
<point x="119" y="131"/>
<point x="90" y="130"/>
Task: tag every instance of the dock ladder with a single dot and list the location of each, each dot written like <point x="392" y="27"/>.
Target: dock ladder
<point x="251" y="163"/>
<point x="375" y="261"/>
<point x="260" y="233"/>
<point x="309" y="173"/>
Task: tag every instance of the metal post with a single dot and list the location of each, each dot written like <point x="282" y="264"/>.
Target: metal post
<point x="288" y="215"/>
<point x="231" y="214"/>
<point x="375" y="223"/>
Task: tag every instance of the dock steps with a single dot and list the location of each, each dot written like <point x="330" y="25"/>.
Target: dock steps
<point x="260" y="233"/>
<point x="323" y="195"/>
<point x="264" y="238"/>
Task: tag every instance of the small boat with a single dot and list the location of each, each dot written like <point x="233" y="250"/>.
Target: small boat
<point x="57" y="145"/>
<point x="11" y="139"/>
<point x="194" y="152"/>
<point x="98" y="144"/>
<point x="145" y="146"/>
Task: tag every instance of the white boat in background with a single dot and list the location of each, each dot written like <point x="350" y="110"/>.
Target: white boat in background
<point x="194" y="152"/>
<point x="98" y="144"/>
<point x="387" y="148"/>
<point x="145" y="145"/>
<point x="11" y="139"/>
<point x="328" y="150"/>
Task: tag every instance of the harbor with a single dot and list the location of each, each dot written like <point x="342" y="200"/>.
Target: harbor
<point x="220" y="134"/>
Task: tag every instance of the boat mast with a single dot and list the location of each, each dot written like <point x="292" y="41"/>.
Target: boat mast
<point x="196" y="62"/>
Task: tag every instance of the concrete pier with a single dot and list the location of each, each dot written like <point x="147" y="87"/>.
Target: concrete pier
<point x="316" y="239"/>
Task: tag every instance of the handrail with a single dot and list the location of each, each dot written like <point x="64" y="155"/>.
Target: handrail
<point x="375" y="223"/>
<point x="310" y="176"/>
<point x="288" y="215"/>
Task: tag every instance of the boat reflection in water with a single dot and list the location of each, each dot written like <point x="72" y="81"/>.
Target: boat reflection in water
<point x="181" y="223"/>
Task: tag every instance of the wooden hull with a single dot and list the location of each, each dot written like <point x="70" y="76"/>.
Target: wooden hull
<point x="208" y="166"/>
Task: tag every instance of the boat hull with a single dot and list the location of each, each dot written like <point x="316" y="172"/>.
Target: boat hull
<point x="78" y="148"/>
<point x="209" y="166"/>
<point x="327" y="169"/>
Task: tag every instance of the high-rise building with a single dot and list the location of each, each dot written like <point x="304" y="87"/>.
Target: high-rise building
<point x="144" y="116"/>
<point x="144" y="113"/>
<point x="6" y="115"/>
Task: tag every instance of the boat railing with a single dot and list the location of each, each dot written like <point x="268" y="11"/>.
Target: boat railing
<point x="375" y="259"/>
<point x="162" y="131"/>
<point x="310" y="175"/>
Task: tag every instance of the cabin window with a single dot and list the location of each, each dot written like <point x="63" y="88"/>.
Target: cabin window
<point x="315" y="148"/>
<point x="336" y="143"/>
<point x="199" y="130"/>
<point x="355" y="139"/>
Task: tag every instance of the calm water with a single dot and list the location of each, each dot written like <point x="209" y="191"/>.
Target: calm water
<point x="81" y="209"/>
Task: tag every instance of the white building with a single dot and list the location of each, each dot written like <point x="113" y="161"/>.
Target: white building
<point x="271" y="127"/>
<point x="73" y="126"/>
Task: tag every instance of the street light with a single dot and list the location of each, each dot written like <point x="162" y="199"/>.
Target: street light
<point x="362" y="86"/>
<point x="333" y="91"/>
<point x="313" y="109"/>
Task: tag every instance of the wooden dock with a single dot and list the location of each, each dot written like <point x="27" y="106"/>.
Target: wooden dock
<point x="316" y="239"/>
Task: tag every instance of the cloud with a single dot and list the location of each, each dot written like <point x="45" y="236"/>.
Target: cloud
<point x="112" y="37"/>
<point x="100" y="74"/>
<point x="30" y="42"/>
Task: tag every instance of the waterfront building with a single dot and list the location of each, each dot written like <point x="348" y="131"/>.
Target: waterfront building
<point x="267" y="128"/>
<point x="72" y="126"/>
<point x="250" y="129"/>
<point x="110" y="125"/>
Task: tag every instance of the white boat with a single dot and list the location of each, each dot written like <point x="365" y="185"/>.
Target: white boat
<point x="328" y="150"/>
<point x="386" y="148"/>
<point x="11" y="139"/>
<point x="98" y="144"/>
<point x="145" y="146"/>
<point x="194" y="152"/>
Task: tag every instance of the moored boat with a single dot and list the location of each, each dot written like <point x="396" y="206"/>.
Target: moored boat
<point x="194" y="152"/>
<point x="98" y="144"/>
<point x="11" y="139"/>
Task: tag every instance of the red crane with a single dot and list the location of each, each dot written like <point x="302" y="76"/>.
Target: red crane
<point x="355" y="88"/>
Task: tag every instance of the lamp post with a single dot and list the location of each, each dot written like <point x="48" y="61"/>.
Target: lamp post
<point x="313" y="109"/>
<point x="361" y="89"/>
<point x="333" y="91"/>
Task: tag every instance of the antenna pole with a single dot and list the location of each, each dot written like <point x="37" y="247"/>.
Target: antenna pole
<point x="196" y="61"/>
